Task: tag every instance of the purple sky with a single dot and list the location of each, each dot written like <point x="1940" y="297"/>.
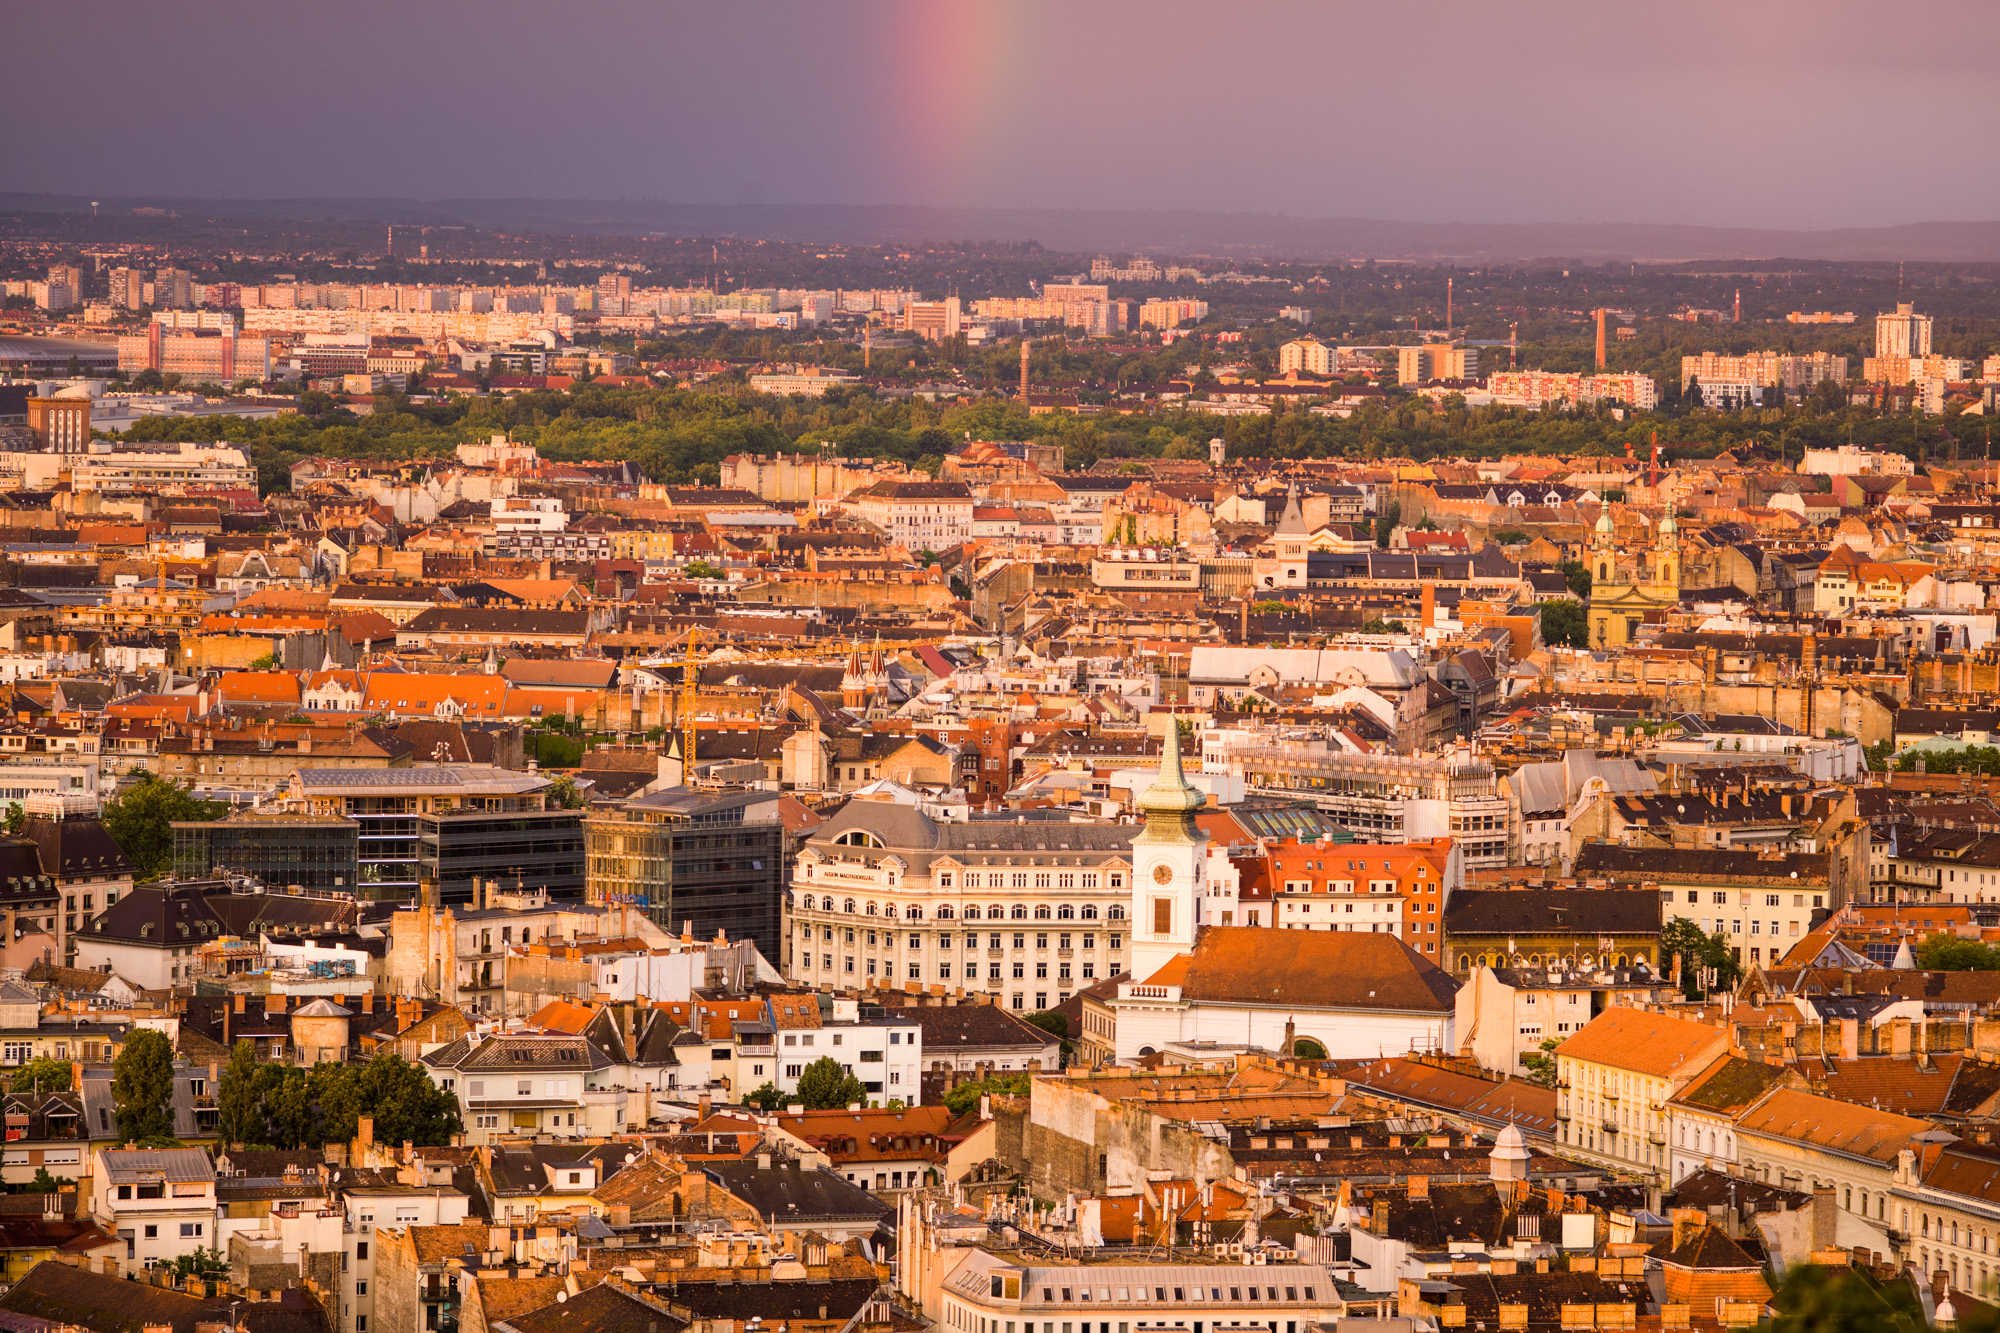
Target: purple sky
<point x="1742" y="112"/>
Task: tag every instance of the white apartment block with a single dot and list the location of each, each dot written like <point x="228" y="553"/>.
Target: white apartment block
<point x="1904" y="334"/>
<point x="1027" y="912"/>
<point x="160" y="1202"/>
<point x="922" y="515"/>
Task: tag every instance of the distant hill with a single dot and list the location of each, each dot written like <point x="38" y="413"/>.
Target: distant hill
<point x="1181" y="232"/>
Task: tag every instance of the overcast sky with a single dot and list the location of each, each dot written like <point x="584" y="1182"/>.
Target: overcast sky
<point x="1740" y="112"/>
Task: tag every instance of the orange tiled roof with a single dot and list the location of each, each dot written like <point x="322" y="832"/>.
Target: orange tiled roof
<point x="1827" y="1123"/>
<point x="562" y="1016"/>
<point x="1657" y="1045"/>
<point x="258" y="687"/>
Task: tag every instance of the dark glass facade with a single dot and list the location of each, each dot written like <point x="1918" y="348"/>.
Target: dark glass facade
<point x="316" y="853"/>
<point x="534" y="848"/>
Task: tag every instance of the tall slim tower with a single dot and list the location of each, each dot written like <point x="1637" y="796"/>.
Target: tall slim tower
<point x="1024" y="368"/>
<point x="1167" y="860"/>
<point x="1600" y="337"/>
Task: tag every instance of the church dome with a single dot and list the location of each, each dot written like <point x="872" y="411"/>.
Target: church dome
<point x="1604" y="523"/>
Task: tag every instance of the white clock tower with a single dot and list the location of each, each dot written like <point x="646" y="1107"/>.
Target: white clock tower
<point x="1167" y="860"/>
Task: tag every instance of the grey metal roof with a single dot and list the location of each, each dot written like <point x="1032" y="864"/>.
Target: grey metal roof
<point x="469" y="778"/>
<point x="130" y="1165"/>
<point x="920" y="841"/>
<point x="1539" y="788"/>
<point x="1310" y="666"/>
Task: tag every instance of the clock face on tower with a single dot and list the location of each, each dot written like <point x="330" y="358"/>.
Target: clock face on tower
<point x="1163" y="873"/>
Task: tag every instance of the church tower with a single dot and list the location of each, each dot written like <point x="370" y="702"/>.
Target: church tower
<point x="854" y="684"/>
<point x="1667" y="555"/>
<point x="1290" y="542"/>
<point x="1167" y="860"/>
<point x="1603" y="559"/>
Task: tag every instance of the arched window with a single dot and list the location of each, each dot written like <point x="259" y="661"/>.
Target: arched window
<point x="1116" y="912"/>
<point x="995" y="912"/>
<point x="1465" y="962"/>
<point x="914" y="912"/>
<point x="1041" y="911"/>
<point x="944" y="912"/>
<point x="1089" y="913"/>
<point x="858" y="838"/>
<point x="847" y="905"/>
<point x="1065" y="913"/>
<point x="871" y="909"/>
<point x="1020" y="912"/>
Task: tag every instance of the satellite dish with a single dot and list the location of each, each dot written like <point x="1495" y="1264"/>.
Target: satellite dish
<point x="561" y="1296"/>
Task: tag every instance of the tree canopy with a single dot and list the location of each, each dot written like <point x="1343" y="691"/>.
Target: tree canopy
<point x="1707" y="961"/>
<point x="139" y="821"/>
<point x="1564" y="624"/>
<point x="283" y="1106"/>
<point x="142" y="1089"/>
<point x="1945" y="952"/>
<point x="42" y="1074"/>
<point x="826" y="1085"/>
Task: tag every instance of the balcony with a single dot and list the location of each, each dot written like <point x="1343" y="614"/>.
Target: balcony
<point x="1065" y="953"/>
<point x="1562" y="1113"/>
<point x="996" y="953"/>
<point x="1609" y="1125"/>
<point x="1658" y="1139"/>
<point x="1608" y="1094"/>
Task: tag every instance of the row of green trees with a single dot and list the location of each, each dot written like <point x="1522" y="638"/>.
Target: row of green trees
<point x="681" y="434"/>
<point x="269" y="1105"/>
<point x="285" y="1106"/>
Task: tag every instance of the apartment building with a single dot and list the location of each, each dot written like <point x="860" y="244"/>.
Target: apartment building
<point x="883" y="1049"/>
<point x="1615" y="1078"/>
<point x="716" y="862"/>
<point x="1765" y="369"/>
<point x="1538" y="388"/>
<point x="1762" y="901"/>
<point x="1904" y="333"/>
<point x="530" y="1083"/>
<point x="159" y="1201"/>
<point x="922" y="515"/>
<point x="468" y="956"/>
<point x="456" y="825"/>
<point x="933" y="321"/>
<point x="1436" y="361"/>
<point x="1030" y="912"/>
<point x="163" y="467"/>
<point x="1391" y="889"/>
<point x="1308" y="356"/>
